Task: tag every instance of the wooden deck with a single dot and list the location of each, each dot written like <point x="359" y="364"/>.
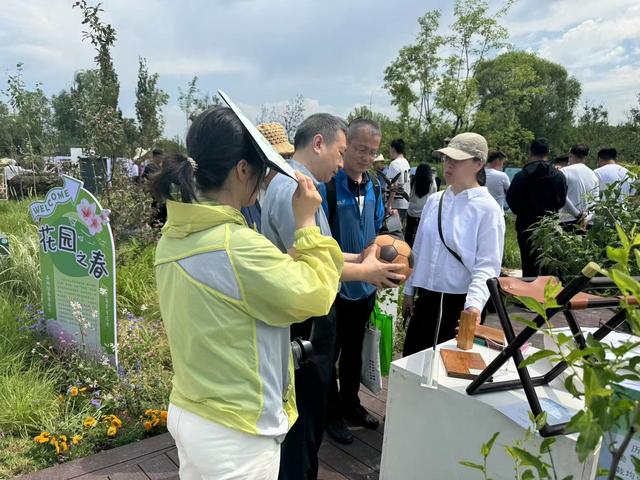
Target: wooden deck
<point x="157" y="458"/>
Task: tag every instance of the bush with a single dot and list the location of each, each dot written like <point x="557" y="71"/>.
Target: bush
<point x="565" y="254"/>
<point x="32" y="185"/>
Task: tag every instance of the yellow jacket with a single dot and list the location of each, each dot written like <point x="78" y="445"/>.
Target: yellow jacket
<point x="227" y="297"/>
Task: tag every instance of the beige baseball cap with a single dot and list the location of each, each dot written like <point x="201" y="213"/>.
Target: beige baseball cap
<point x="379" y="158"/>
<point x="465" y="146"/>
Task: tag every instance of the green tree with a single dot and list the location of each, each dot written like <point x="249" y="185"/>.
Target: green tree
<point x="192" y="102"/>
<point x="30" y="119"/>
<point x="149" y="102"/>
<point x="522" y="96"/>
<point x="97" y="105"/>
<point x="412" y="77"/>
<point x="476" y="32"/>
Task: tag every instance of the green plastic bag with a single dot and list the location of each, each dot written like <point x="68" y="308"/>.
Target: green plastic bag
<point x="384" y="323"/>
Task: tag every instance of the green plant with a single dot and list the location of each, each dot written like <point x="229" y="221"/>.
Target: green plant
<point x="597" y="372"/>
<point x="564" y="254"/>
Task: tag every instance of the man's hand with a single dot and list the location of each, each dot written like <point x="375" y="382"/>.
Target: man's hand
<point x="375" y="272"/>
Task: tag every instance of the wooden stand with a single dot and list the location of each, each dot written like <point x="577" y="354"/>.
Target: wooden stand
<point x="467" y="330"/>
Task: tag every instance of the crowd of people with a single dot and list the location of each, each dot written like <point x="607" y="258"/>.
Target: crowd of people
<point x="251" y="260"/>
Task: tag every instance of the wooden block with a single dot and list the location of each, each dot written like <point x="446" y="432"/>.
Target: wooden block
<point x="493" y="334"/>
<point x="458" y="364"/>
<point x="467" y="329"/>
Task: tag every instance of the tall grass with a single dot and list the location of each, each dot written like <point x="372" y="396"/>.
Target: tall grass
<point x="135" y="281"/>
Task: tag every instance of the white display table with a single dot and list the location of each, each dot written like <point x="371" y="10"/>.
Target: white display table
<point x="428" y="431"/>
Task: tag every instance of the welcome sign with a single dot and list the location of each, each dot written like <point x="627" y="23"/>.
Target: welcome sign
<point x="77" y="262"/>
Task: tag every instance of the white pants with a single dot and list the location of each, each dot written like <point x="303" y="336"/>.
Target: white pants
<point x="210" y="451"/>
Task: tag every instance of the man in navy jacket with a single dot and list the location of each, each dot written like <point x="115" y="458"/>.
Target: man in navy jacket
<point x="354" y="206"/>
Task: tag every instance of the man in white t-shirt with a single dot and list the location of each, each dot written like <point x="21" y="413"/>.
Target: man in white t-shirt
<point x="582" y="188"/>
<point x="497" y="181"/>
<point x="609" y="172"/>
<point x="400" y="166"/>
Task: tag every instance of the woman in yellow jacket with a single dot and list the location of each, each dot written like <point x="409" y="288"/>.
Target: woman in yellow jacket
<point x="227" y="296"/>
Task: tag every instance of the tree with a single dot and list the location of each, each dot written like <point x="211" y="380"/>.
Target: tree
<point x="149" y="102"/>
<point x="97" y="107"/>
<point x="412" y="78"/>
<point x="522" y="96"/>
<point x="290" y="115"/>
<point x="192" y="102"/>
<point x="30" y="119"/>
<point x="476" y="33"/>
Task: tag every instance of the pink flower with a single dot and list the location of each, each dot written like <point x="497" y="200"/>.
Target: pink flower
<point x="86" y="210"/>
<point x="95" y="225"/>
<point x="104" y="215"/>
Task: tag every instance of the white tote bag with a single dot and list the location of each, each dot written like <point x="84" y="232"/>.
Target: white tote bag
<point x="370" y="375"/>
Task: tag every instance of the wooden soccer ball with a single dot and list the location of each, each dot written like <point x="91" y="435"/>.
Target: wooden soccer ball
<point x="394" y="250"/>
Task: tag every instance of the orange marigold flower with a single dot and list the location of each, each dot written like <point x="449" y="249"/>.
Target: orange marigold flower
<point x="89" y="422"/>
<point x="64" y="447"/>
<point x="54" y="442"/>
<point x="163" y="417"/>
<point x="147" y="425"/>
<point x="42" y="438"/>
<point x="112" y="431"/>
<point x="76" y="439"/>
<point x="115" y="421"/>
<point x="73" y="391"/>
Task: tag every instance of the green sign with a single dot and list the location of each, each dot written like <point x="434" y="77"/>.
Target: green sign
<point x="77" y="265"/>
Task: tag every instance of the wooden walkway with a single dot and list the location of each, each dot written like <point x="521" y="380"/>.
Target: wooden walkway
<point x="157" y="458"/>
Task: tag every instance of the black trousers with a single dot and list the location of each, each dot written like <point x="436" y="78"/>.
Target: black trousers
<point x="422" y="326"/>
<point x="299" y="451"/>
<point x="411" y="229"/>
<point x="527" y="255"/>
<point x="352" y="318"/>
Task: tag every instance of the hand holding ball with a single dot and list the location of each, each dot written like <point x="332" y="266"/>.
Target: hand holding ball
<point x="394" y="250"/>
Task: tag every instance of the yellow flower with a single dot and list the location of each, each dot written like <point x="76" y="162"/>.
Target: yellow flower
<point x="73" y="391"/>
<point x="147" y="425"/>
<point x="89" y="422"/>
<point x="42" y="438"/>
<point x="64" y="447"/>
<point x="163" y="417"/>
<point x="112" y="431"/>
<point x="155" y="421"/>
<point x="54" y="442"/>
<point x="83" y="389"/>
<point x="115" y="421"/>
<point x="76" y="439"/>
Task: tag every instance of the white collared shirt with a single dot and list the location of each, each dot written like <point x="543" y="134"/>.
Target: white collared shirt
<point x="473" y="227"/>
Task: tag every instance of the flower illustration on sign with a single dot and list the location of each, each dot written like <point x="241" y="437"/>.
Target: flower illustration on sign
<point x="87" y="213"/>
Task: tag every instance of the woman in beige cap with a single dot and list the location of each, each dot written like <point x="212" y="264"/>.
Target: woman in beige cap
<point x="458" y="246"/>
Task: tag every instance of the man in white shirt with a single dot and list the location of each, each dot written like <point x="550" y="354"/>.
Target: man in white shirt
<point x="400" y="166"/>
<point x="497" y="181"/>
<point x="582" y="188"/>
<point x="609" y="172"/>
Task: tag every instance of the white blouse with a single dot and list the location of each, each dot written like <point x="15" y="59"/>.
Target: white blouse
<point x="473" y="226"/>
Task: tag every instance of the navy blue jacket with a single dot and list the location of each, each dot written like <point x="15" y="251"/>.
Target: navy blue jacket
<point x="354" y="231"/>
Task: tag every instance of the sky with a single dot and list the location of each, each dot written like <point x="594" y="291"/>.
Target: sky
<point x="333" y="52"/>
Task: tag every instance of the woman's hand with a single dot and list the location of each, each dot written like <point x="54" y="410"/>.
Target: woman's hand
<point x="476" y="312"/>
<point x="306" y="201"/>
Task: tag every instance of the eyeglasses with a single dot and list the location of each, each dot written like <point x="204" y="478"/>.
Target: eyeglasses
<point x="362" y="150"/>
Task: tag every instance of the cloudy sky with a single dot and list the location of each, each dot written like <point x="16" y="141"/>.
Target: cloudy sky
<point x="333" y="52"/>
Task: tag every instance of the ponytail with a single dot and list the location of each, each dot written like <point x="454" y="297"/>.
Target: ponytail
<point x="176" y="170"/>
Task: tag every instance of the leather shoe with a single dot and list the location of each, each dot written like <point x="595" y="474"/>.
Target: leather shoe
<point x="338" y="430"/>
<point x="360" y="416"/>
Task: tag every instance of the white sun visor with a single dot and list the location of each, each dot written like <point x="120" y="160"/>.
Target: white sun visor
<point x="271" y="157"/>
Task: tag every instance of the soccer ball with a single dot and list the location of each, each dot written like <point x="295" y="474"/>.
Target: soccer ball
<point x="394" y="250"/>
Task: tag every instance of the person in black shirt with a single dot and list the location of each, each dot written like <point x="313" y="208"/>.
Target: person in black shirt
<point x="536" y="190"/>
